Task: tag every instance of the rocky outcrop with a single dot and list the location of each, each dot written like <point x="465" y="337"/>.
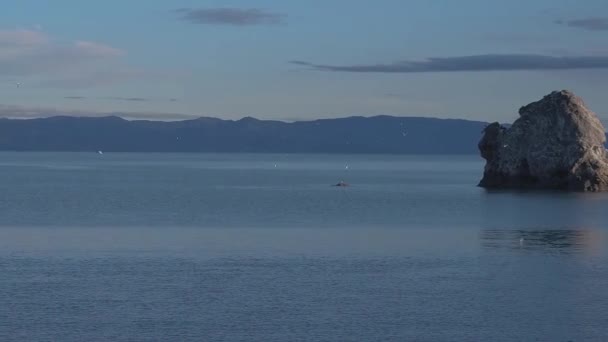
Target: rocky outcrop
<point x="556" y="143"/>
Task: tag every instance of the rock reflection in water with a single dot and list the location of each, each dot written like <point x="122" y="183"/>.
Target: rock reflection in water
<point x="554" y="240"/>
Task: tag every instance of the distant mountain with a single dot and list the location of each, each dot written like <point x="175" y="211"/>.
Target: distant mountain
<point x="379" y="134"/>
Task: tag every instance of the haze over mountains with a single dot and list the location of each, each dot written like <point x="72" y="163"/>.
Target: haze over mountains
<point x="379" y="134"/>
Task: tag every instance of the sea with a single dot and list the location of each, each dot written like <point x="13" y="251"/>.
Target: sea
<point x="263" y="247"/>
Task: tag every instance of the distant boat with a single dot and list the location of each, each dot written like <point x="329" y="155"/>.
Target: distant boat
<point x="342" y="183"/>
<point x="99" y="152"/>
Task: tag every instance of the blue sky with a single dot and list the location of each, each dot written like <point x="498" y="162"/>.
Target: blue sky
<point x="295" y="60"/>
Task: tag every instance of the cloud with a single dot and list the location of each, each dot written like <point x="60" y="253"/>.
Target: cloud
<point x="516" y="38"/>
<point x="103" y="76"/>
<point x="21" y="112"/>
<point x="97" y="50"/>
<point x="590" y="24"/>
<point x="22" y="38"/>
<point x="490" y="62"/>
<point x="230" y="16"/>
<point x="117" y="98"/>
<point x="137" y="99"/>
<point x="33" y="53"/>
<point x="39" y="60"/>
<point x="130" y="99"/>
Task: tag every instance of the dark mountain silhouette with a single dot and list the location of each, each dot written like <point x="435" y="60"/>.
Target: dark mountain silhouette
<point x="379" y="134"/>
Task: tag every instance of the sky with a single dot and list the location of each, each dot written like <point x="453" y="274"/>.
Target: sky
<point x="299" y="60"/>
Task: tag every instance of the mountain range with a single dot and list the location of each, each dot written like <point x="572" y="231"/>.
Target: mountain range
<point x="377" y="134"/>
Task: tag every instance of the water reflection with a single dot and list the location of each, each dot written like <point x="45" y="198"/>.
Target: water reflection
<point x="546" y="240"/>
<point x="543" y="209"/>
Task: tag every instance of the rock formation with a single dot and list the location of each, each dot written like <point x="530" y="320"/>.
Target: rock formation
<point x="556" y="143"/>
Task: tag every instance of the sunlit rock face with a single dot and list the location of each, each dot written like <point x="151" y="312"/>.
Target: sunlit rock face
<point x="556" y="143"/>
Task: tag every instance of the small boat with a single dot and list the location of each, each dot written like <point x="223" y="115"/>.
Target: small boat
<point x="99" y="152"/>
<point x="342" y="183"/>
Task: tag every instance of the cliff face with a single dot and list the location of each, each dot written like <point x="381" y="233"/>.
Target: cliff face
<point x="556" y="143"/>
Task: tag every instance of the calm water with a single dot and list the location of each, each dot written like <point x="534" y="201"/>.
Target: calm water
<point x="191" y="247"/>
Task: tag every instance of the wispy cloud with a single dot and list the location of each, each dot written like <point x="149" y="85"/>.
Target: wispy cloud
<point x="97" y="77"/>
<point x="129" y="99"/>
<point x="118" y="98"/>
<point x="490" y="62"/>
<point x="12" y="38"/>
<point x="22" y="112"/>
<point x="27" y="53"/>
<point x="230" y="16"/>
<point x="138" y="99"/>
<point x="97" y="50"/>
<point x="38" y="59"/>
<point x="590" y="23"/>
<point x="515" y="37"/>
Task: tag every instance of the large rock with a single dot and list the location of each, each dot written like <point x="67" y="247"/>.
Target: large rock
<point x="556" y="143"/>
